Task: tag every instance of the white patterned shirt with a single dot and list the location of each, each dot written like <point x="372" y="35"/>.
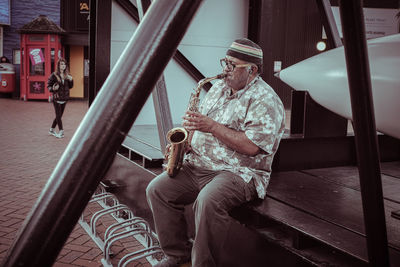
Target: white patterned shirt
<point x="256" y="110"/>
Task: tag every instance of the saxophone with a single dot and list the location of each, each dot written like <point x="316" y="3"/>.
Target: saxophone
<point x="179" y="137"/>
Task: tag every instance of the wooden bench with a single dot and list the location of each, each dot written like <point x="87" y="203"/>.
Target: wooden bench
<point x="128" y="181"/>
<point x="315" y="216"/>
<point x="321" y="213"/>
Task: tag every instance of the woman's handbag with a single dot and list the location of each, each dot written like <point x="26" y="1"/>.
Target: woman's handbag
<point x="56" y="86"/>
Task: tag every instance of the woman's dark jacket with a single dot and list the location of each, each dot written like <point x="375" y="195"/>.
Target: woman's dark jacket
<point x="62" y="94"/>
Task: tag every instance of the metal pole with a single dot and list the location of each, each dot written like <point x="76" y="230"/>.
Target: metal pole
<point x="92" y="51"/>
<point x="100" y="45"/>
<point x="160" y="96"/>
<point x="328" y="21"/>
<point x="98" y="138"/>
<point x="355" y="47"/>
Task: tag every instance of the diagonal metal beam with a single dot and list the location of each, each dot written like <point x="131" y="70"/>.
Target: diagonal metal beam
<point x="359" y="78"/>
<point x="179" y="57"/>
<point x="160" y="96"/>
<point x="328" y="21"/>
<point x="99" y="136"/>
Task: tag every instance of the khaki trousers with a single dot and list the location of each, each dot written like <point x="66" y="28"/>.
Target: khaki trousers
<point x="213" y="195"/>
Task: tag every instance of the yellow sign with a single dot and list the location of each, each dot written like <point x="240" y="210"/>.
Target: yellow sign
<point x="83" y="7"/>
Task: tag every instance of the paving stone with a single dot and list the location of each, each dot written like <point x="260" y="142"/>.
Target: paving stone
<point x="91" y="254"/>
<point x="60" y="264"/>
<point x="77" y="247"/>
<point x="80" y="240"/>
<point x="87" y="263"/>
<point x="70" y="257"/>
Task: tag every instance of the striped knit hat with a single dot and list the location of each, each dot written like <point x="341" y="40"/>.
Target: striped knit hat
<point x="246" y="50"/>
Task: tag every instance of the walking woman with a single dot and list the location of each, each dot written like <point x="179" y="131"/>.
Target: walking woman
<point x="59" y="83"/>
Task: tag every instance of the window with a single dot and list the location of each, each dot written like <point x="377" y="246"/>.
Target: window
<point x="16" y="56"/>
<point x="22" y="62"/>
<point x="1" y="40"/>
<point x="52" y="59"/>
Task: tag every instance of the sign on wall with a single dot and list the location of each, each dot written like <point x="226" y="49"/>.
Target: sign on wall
<point x="379" y="22"/>
<point x="82" y="17"/>
<point x="36" y="56"/>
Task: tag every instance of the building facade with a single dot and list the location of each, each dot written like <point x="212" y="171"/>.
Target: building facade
<point x="14" y="14"/>
<point x="22" y="12"/>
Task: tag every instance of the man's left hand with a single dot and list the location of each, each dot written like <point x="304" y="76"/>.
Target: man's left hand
<point x="237" y="140"/>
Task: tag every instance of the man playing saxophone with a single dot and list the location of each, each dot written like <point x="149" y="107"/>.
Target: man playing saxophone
<point x="236" y="133"/>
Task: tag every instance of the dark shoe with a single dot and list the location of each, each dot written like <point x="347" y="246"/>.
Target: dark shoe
<point x="174" y="262"/>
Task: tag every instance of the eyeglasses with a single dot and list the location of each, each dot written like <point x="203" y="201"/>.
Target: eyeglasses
<point x="230" y="66"/>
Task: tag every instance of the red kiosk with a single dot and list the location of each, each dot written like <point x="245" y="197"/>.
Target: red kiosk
<point x="40" y="50"/>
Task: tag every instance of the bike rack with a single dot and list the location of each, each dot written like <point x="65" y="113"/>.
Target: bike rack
<point x="126" y="226"/>
<point x="127" y="233"/>
<point x="129" y="222"/>
<point x="108" y="211"/>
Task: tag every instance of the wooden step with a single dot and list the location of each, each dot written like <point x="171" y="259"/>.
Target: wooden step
<point x="325" y="206"/>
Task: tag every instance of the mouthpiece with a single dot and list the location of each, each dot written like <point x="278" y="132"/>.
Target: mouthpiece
<point x="221" y="76"/>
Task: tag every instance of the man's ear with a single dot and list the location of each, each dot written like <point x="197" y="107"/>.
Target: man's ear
<point x="253" y="69"/>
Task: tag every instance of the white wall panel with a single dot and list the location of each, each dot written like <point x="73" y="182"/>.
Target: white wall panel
<point x="214" y="27"/>
<point x="122" y="29"/>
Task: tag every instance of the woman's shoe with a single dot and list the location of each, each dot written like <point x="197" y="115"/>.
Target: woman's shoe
<point x="52" y="132"/>
<point x="60" y="134"/>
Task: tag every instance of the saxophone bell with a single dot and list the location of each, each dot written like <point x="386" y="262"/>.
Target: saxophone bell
<point x="178" y="138"/>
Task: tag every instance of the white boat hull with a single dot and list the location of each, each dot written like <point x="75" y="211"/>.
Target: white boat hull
<point x="324" y="76"/>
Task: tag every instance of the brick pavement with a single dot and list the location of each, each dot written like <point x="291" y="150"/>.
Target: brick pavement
<point x="27" y="158"/>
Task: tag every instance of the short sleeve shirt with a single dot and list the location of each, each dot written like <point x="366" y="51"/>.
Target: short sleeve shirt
<point x="255" y="110"/>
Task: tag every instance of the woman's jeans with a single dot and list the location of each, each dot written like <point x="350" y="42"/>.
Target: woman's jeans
<point x="214" y="194"/>
<point x="59" y="109"/>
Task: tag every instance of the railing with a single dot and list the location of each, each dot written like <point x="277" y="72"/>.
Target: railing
<point x="124" y="226"/>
